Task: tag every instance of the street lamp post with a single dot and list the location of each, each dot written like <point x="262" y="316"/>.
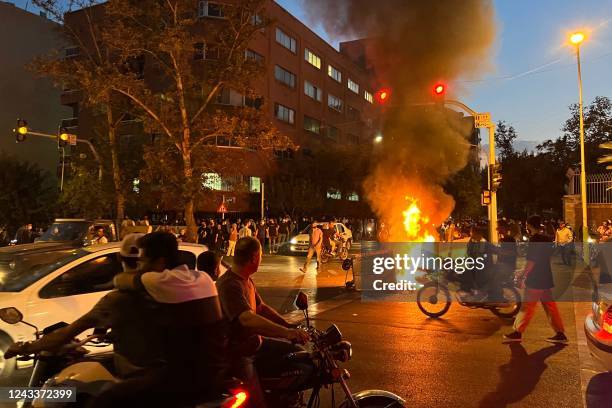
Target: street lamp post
<point x="577" y="39"/>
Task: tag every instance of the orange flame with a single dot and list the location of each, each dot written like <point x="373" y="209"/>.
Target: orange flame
<point x="415" y="223"/>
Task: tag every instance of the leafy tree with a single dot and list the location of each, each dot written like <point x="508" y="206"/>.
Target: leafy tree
<point x="504" y="140"/>
<point x="28" y="194"/>
<point x="91" y="74"/>
<point x="175" y="67"/>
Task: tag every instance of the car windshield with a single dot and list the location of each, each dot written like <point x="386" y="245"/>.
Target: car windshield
<point x="21" y="271"/>
<point x="65" y="231"/>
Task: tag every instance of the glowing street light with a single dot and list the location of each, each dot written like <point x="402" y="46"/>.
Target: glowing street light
<point x="378" y="138"/>
<point x="576" y="39"/>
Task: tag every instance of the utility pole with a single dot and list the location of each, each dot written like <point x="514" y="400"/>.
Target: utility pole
<point x="262" y="199"/>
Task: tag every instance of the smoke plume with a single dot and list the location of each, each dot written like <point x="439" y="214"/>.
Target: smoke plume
<point x="412" y="45"/>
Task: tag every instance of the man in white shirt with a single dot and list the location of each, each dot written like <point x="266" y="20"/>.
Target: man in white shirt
<point x="245" y="231"/>
<point x="316" y="243"/>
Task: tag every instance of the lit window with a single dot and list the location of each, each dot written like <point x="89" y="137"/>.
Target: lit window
<point x="352" y="196"/>
<point x="312" y="58"/>
<point x="334" y="103"/>
<point x="286" y="41"/>
<point x="334" y="73"/>
<point x="284" y="113"/>
<point x="353" y="86"/>
<point x="333" y="133"/>
<point x="312" y="125"/>
<point x="312" y="91"/>
<point x="334" y="194"/>
<point x="284" y="76"/>
<point x="212" y="181"/>
<point x="210" y="9"/>
<point x="255" y="184"/>
<point x="253" y="56"/>
<point x="368" y="96"/>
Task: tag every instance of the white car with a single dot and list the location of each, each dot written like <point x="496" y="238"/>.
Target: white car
<point x="598" y="327"/>
<point x="301" y="241"/>
<point x="53" y="284"/>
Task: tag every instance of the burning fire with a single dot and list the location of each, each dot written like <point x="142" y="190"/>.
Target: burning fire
<point x="415" y="223"/>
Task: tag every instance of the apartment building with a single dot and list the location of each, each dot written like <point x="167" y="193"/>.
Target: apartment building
<point x="312" y="92"/>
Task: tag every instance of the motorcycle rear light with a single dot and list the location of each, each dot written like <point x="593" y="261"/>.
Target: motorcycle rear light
<point x="607" y="321"/>
<point x="238" y="400"/>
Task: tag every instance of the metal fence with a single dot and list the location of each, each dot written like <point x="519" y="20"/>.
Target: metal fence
<point x="599" y="187"/>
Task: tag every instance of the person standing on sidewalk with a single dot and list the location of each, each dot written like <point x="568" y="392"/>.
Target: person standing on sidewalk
<point x="537" y="281"/>
<point x="564" y="238"/>
<point x="316" y="243"/>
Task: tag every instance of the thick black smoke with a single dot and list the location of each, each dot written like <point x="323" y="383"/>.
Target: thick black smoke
<point x="412" y="45"/>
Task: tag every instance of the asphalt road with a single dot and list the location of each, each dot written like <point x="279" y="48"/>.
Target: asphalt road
<point x="457" y="361"/>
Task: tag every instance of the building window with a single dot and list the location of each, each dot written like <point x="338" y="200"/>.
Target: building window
<point x="312" y="58"/>
<point x="352" y="113"/>
<point x="352" y="196"/>
<point x="284" y="76"/>
<point x="334" y="103"/>
<point x="284" y="154"/>
<point x="312" y="125"/>
<point x="334" y="73"/>
<point x="203" y="51"/>
<point x="312" y="91"/>
<point x="333" y="133"/>
<point x="255" y="184"/>
<point x="253" y="56"/>
<point x="71" y="52"/>
<point x="354" y="139"/>
<point x="353" y="86"/>
<point x="285" y="40"/>
<point x="334" y="194"/>
<point x="256" y="20"/>
<point x="255" y="103"/>
<point x="210" y="9"/>
<point x="284" y="113"/>
<point x="368" y="96"/>
<point x="212" y="181"/>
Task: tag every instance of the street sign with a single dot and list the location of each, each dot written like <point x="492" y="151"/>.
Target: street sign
<point x="485" y="198"/>
<point x="482" y="120"/>
<point x="222" y="208"/>
<point x="72" y="139"/>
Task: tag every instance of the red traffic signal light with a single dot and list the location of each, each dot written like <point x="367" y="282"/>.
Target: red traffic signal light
<point x="439" y="89"/>
<point x="382" y="95"/>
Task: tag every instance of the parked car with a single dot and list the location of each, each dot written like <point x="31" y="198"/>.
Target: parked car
<point x="598" y="324"/>
<point x="51" y="284"/>
<point x="77" y="231"/>
<point x="300" y="242"/>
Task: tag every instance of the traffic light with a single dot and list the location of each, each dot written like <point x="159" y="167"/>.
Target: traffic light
<point x="495" y="175"/>
<point x="21" y="130"/>
<point x="606" y="159"/>
<point x="382" y="96"/>
<point x="439" y="89"/>
<point x="62" y="138"/>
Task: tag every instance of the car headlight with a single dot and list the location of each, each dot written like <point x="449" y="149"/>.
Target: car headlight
<point x="293" y="240"/>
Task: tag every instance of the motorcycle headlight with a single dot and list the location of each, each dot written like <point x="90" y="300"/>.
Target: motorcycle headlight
<point x="342" y="351"/>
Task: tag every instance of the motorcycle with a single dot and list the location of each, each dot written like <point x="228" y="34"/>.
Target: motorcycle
<point x="328" y="348"/>
<point x="82" y="377"/>
<point x="434" y="297"/>
<point x="340" y="252"/>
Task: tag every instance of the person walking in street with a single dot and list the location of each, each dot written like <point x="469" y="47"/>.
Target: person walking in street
<point x="564" y="238"/>
<point x="261" y="233"/>
<point x="537" y="281"/>
<point x="283" y="230"/>
<point x="316" y="243"/>
<point x="233" y="237"/>
<point x="273" y="234"/>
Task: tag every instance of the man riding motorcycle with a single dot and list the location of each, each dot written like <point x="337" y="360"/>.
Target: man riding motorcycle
<point x="168" y="333"/>
<point x="250" y="318"/>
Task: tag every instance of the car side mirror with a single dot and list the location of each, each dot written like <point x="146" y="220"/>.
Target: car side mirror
<point x="11" y="315"/>
<point x="301" y="301"/>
